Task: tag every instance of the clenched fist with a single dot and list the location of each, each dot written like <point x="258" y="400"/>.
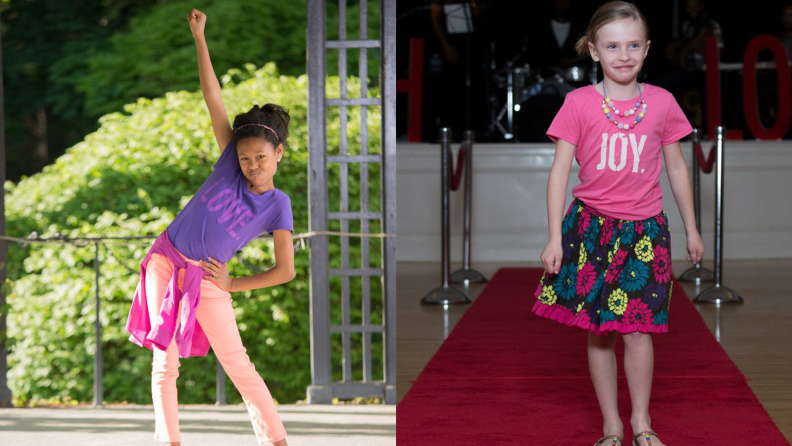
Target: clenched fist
<point x="197" y="21"/>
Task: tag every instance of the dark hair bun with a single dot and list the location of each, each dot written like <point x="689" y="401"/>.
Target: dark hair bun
<point x="272" y="115"/>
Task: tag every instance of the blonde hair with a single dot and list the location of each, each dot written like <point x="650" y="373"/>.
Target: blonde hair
<point x="607" y="13"/>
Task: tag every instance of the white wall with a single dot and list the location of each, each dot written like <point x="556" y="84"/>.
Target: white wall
<point x="509" y="222"/>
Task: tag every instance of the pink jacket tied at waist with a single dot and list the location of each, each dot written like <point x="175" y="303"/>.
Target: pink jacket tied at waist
<point x="190" y="338"/>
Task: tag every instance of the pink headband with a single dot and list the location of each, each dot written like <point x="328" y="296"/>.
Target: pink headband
<point x="266" y="127"/>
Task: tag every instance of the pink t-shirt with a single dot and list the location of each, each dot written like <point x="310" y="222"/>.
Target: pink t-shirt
<point x="620" y="169"/>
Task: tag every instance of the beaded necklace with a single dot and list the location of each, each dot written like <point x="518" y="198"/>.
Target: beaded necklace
<point x="611" y="112"/>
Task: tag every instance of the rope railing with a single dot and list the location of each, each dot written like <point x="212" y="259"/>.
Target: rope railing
<point x="33" y="237"/>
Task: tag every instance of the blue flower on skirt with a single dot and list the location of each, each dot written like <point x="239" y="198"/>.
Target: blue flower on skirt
<point x="569" y="220"/>
<point x="596" y="289"/>
<point x="634" y="275"/>
<point x="650" y="228"/>
<point x="627" y="232"/>
<point x="566" y="282"/>
<point x="661" y="318"/>
<point x="614" y="235"/>
<point x="590" y="237"/>
<point x="606" y="315"/>
<point x="569" y="245"/>
<point x="655" y="294"/>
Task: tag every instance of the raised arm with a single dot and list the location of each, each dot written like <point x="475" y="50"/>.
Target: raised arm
<point x="209" y="84"/>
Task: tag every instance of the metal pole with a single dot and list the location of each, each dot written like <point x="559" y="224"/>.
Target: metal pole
<point x="718" y="293"/>
<point x="445" y="294"/>
<point x="98" y="391"/>
<point x="466" y="273"/>
<point x="509" y="103"/>
<point x="697" y="273"/>
<point x="220" y="387"/>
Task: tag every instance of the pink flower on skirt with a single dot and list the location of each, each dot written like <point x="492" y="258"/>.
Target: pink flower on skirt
<point x="607" y="232"/>
<point x="662" y="264"/>
<point x="585" y="279"/>
<point x="639" y="227"/>
<point x="613" y="273"/>
<point x="637" y="312"/>
<point x="583" y="223"/>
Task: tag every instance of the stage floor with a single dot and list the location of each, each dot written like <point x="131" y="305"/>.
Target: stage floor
<point x="756" y="334"/>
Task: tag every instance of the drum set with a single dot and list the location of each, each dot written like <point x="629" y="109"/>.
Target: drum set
<point x="532" y="97"/>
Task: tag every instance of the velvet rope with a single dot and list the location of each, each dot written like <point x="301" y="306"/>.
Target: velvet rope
<point x="705" y="164"/>
<point x="456" y="177"/>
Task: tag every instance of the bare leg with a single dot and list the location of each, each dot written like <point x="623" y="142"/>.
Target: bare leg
<point x="602" y="365"/>
<point x="280" y="443"/>
<point x="639" y="368"/>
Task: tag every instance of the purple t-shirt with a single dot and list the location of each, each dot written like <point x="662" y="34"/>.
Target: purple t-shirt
<point x="224" y="215"/>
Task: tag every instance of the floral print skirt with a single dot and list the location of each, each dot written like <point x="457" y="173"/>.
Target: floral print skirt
<point x="615" y="274"/>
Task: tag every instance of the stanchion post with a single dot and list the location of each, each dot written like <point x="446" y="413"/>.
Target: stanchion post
<point x="466" y="273"/>
<point x="445" y="294"/>
<point x="719" y="293"/>
<point x="697" y="273"/>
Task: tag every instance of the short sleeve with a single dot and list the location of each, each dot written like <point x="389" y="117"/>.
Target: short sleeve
<point x="227" y="158"/>
<point x="566" y="124"/>
<point x="676" y="125"/>
<point x="282" y="218"/>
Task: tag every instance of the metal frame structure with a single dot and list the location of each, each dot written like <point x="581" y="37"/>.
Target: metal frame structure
<point x="323" y="389"/>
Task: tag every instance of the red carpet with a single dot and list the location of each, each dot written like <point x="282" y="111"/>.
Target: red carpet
<point x="507" y="377"/>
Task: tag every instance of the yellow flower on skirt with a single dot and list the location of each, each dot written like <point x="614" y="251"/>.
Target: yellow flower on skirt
<point x="614" y="250"/>
<point x="617" y="302"/>
<point x="644" y="250"/>
<point x="548" y="296"/>
<point x="583" y="257"/>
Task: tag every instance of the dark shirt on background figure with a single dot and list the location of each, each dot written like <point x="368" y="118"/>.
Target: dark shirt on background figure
<point x="786" y="29"/>
<point x="687" y="51"/>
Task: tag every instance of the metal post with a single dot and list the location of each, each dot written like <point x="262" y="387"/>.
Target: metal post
<point x="718" y="293"/>
<point x="466" y="273"/>
<point x="220" y="387"/>
<point x="509" y="103"/>
<point x="445" y="294"/>
<point x="697" y="273"/>
<point x="98" y="391"/>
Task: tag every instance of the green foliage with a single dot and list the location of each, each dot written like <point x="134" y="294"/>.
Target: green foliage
<point x="156" y="53"/>
<point x="130" y="178"/>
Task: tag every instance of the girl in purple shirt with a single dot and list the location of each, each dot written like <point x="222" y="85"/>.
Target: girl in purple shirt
<point x="183" y="303"/>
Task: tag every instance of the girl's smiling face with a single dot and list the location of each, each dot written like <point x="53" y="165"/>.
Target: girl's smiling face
<point x="621" y="48"/>
<point x="258" y="160"/>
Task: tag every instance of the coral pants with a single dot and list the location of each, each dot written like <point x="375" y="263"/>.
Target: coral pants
<point x="216" y="316"/>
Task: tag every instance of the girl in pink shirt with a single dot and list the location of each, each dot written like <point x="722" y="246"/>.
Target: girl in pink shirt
<point x="608" y="260"/>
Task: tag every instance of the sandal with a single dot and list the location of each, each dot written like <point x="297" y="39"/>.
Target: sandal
<point x="615" y="438"/>
<point x="646" y="435"/>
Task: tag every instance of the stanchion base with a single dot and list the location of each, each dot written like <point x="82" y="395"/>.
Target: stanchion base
<point x="445" y="296"/>
<point x="470" y="274"/>
<point x="697" y="275"/>
<point x="718" y="294"/>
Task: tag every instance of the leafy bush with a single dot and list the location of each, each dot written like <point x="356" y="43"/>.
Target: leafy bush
<point x="130" y="178"/>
